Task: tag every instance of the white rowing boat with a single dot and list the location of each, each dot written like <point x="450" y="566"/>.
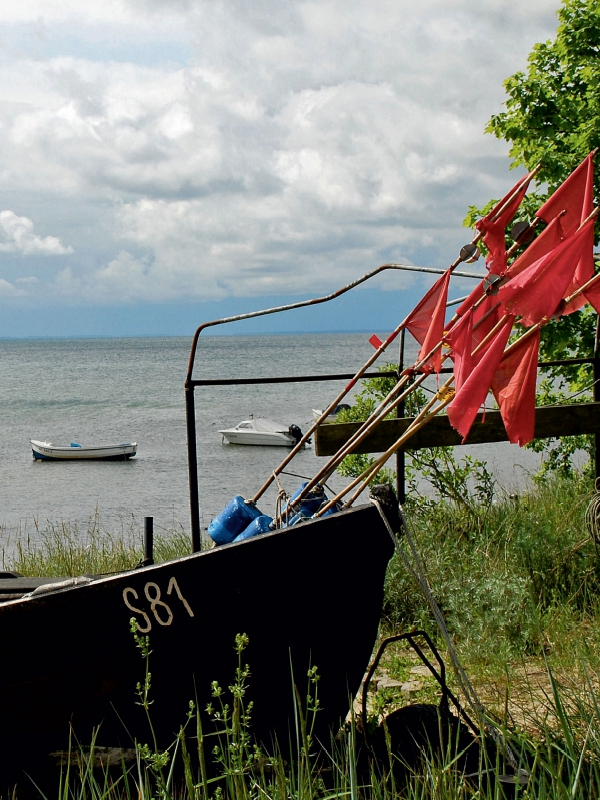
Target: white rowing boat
<point x="263" y="431"/>
<point x="46" y="451"/>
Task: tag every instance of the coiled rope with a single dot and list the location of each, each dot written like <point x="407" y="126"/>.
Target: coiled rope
<point x="282" y="506"/>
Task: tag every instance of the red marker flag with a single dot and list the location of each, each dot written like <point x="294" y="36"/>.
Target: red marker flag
<point x="592" y="295"/>
<point x="375" y="341"/>
<point x="548" y="239"/>
<point x="494" y="229"/>
<point x="475" y="295"/>
<point x="460" y="339"/>
<point x="514" y="388"/>
<point x="420" y="318"/>
<point x="435" y="331"/>
<point x="536" y="293"/>
<point x="575" y="196"/>
<point x="471" y="396"/>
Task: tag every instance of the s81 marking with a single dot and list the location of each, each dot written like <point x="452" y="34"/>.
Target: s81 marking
<point x="162" y="612"/>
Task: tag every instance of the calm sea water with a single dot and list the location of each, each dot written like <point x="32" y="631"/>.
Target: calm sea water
<point x="97" y="391"/>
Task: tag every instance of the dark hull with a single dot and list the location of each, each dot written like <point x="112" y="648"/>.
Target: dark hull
<point x="310" y="595"/>
<point x="120" y="457"/>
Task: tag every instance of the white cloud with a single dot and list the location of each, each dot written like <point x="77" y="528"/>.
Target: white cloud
<point x="16" y="236"/>
<point x="304" y="144"/>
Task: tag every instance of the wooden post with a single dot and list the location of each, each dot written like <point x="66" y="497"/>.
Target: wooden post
<point x="400" y="455"/>
<point x="148" y="541"/>
<point x="190" y="415"/>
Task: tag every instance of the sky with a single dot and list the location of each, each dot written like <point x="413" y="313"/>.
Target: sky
<point x="166" y="162"/>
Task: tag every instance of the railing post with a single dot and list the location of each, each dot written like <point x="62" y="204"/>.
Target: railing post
<point x="400" y="456"/>
<point x="190" y="414"/>
<point x="597" y="394"/>
<point x="148" y="541"/>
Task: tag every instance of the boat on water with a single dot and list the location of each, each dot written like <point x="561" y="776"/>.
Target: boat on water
<point x="263" y="432"/>
<point x="332" y="416"/>
<point x="46" y="451"/>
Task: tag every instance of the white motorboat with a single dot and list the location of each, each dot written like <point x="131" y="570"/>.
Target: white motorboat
<point x="264" y="432"/>
<point x="317" y="412"/>
<point x="46" y="451"/>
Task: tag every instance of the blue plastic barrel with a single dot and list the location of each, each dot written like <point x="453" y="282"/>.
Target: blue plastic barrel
<point x="257" y="526"/>
<point x="309" y="504"/>
<point x="235" y="517"/>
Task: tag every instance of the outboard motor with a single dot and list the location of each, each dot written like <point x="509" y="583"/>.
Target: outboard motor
<point x="295" y="431"/>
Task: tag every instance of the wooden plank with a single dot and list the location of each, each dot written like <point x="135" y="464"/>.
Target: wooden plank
<point x="550" y="421"/>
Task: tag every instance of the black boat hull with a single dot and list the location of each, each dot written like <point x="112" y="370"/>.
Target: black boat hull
<point x="307" y="596"/>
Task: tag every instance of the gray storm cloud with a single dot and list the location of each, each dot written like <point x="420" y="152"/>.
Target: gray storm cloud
<point x="294" y="147"/>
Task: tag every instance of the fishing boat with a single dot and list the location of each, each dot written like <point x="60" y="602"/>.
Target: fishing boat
<point x="263" y="432"/>
<point x="72" y="659"/>
<point x="75" y="662"/>
<point x="46" y="451"/>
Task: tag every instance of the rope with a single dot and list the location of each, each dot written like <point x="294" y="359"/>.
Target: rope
<point x="418" y="573"/>
<point x="281" y="504"/>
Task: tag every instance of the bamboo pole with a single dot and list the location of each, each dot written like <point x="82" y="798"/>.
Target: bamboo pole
<point x="416" y="425"/>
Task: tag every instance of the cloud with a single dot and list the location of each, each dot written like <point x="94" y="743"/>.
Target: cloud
<point x="8" y="289"/>
<point x="16" y="236"/>
<point x="302" y="145"/>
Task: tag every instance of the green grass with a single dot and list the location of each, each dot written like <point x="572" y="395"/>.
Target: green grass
<point x="57" y="549"/>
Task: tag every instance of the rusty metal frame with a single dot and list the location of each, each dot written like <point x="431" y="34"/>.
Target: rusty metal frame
<point x="439" y="674"/>
<point x="190" y="383"/>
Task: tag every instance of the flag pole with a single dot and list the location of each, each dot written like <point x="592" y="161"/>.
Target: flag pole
<point x="445" y="394"/>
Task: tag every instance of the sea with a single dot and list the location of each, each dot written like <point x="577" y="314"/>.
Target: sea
<point x="117" y="390"/>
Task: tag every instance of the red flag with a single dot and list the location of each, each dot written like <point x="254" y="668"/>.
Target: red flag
<point x="592" y="295"/>
<point x="536" y="293"/>
<point x="514" y="388"/>
<point x="548" y="239"/>
<point x="493" y="226"/>
<point x="419" y="319"/>
<point x="375" y="341"/>
<point x="483" y="326"/>
<point x="485" y="317"/>
<point x="471" y="396"/>
<point x="475" y="295"/>
<point x="460" y="339"/>
<point x="575" y="196"/>
<point x="435" y="330"/>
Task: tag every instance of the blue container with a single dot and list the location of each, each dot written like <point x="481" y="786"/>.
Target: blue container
<point x="257" y="526"/>
<point x="310" y="504"/>
<point x="235" y="517"/>
<point x="303" y="517"/>
<point x="333" y="510"/>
